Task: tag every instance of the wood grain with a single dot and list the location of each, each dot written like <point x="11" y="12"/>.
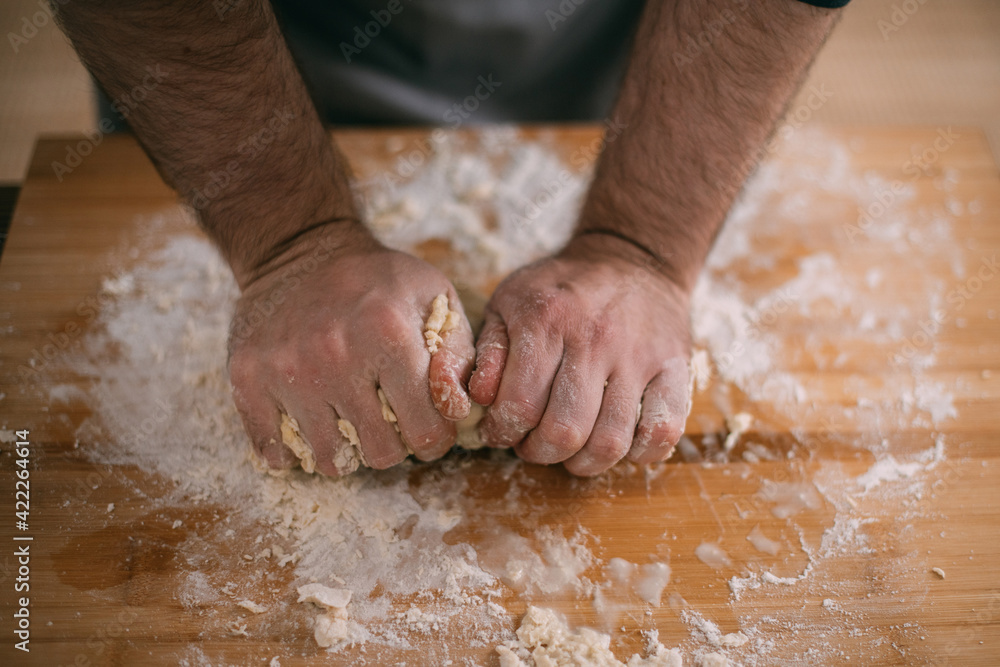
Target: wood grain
<point x="105" y="590"/>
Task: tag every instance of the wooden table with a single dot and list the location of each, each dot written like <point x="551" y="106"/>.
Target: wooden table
<point x="104" y="589"/>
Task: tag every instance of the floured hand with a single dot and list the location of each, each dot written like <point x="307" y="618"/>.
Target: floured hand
<point x="570" y="348"/>
<point x="331" y="341"/>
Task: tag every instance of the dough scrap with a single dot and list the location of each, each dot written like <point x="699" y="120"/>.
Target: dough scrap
<point x="292" y="437"/>
<point x="349" y="458"/>
<point x="332" y="627"/>
<point x="441" y="320"/>
<point x="328" y="598"/>
<point x="390" y="416"/>
<point x="544" y="640"/>
<point x="387" y="413"/>
<point x="252" y="606"/>
<point x="738" y="424"/>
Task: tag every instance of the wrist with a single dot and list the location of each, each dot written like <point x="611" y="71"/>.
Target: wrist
<point x="612" y="247"/>
<point x="316" y="243"/>
<point x="676" y="266"/>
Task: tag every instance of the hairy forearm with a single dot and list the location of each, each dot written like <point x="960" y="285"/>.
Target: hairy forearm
<point x="695" y="119"/>
<point x="228" y="123"/>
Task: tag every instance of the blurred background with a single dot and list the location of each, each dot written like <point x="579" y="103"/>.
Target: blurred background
<point x="889" y="62"/>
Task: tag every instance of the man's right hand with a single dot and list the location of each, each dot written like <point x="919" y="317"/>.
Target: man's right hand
<point x="331" y="321"/>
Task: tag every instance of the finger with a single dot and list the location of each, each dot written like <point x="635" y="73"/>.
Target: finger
<point x="379" y="443"/>
<point x="450" y="368"/>
<point x="424" y="431"/>
<point x="665" y="406"/>
<point x="320" y="432"/>
<point x="491" y="355"/>
<point x="531" y="365"/>
<point x="572" y="409"/>
<point x="611" y="437"/>
<point x="261" y="420"/>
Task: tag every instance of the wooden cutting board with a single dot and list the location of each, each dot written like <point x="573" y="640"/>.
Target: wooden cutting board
<point x="105" y="586"/>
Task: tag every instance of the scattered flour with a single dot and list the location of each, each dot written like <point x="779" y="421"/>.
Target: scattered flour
<point x="713" y="555"/>
<point x="545" y="640"/>
<point x="161" y="403"/>
<point x="762" y="542"/>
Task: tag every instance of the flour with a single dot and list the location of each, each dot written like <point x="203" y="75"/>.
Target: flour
<point x="396" y="539"/>
<point x="713" y="555"/>
<point x="762" y="542"/>
<point x="545" y="640"/>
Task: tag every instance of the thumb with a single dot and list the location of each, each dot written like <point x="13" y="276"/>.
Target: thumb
<point x="451" y="363"/>
<point x="491" y="351"/>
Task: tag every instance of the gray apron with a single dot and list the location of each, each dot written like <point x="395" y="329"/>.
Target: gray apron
<point x="453" y="62"/>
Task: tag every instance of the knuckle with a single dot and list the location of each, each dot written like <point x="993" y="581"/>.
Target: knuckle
<point x="431" y="442"/>
<point x="333" y="346"/>
<point x="563" y="435"/>
<point x="658" y="434"/>
<point x="285" y="362"/>
<point x="519" y="414"/>
<point x="393" y="325"/>
<point x="609" y="448"/>
<point x="596" y="333"/>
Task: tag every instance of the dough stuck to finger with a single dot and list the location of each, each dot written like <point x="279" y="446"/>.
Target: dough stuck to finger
<point x="349" y="458"/>
<point x="390" y="416"/>
<point x="387" y="413"/>
<point x="441" y="320"/>
<point x="292" y="437"/>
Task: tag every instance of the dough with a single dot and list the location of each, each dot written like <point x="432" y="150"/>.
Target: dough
<point x="349" y="458"/>
<point x="335" y="599"/>
<point x="387" y="413"/>
<point x="441" y="320"/>
<point x="544" y="640"/>
<point x="332" y="627"/>
<point x="292" y="437"/>
<point x="390" y="416"/>
<point x="737" y="424"/>
<point x="468" y="428"/>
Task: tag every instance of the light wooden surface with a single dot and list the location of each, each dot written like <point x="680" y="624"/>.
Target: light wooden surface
<point x="105" y="589"/>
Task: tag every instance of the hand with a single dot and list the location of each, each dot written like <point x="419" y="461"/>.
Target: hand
<point x="571" y="344"/>
<point x="336" y="318"/>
